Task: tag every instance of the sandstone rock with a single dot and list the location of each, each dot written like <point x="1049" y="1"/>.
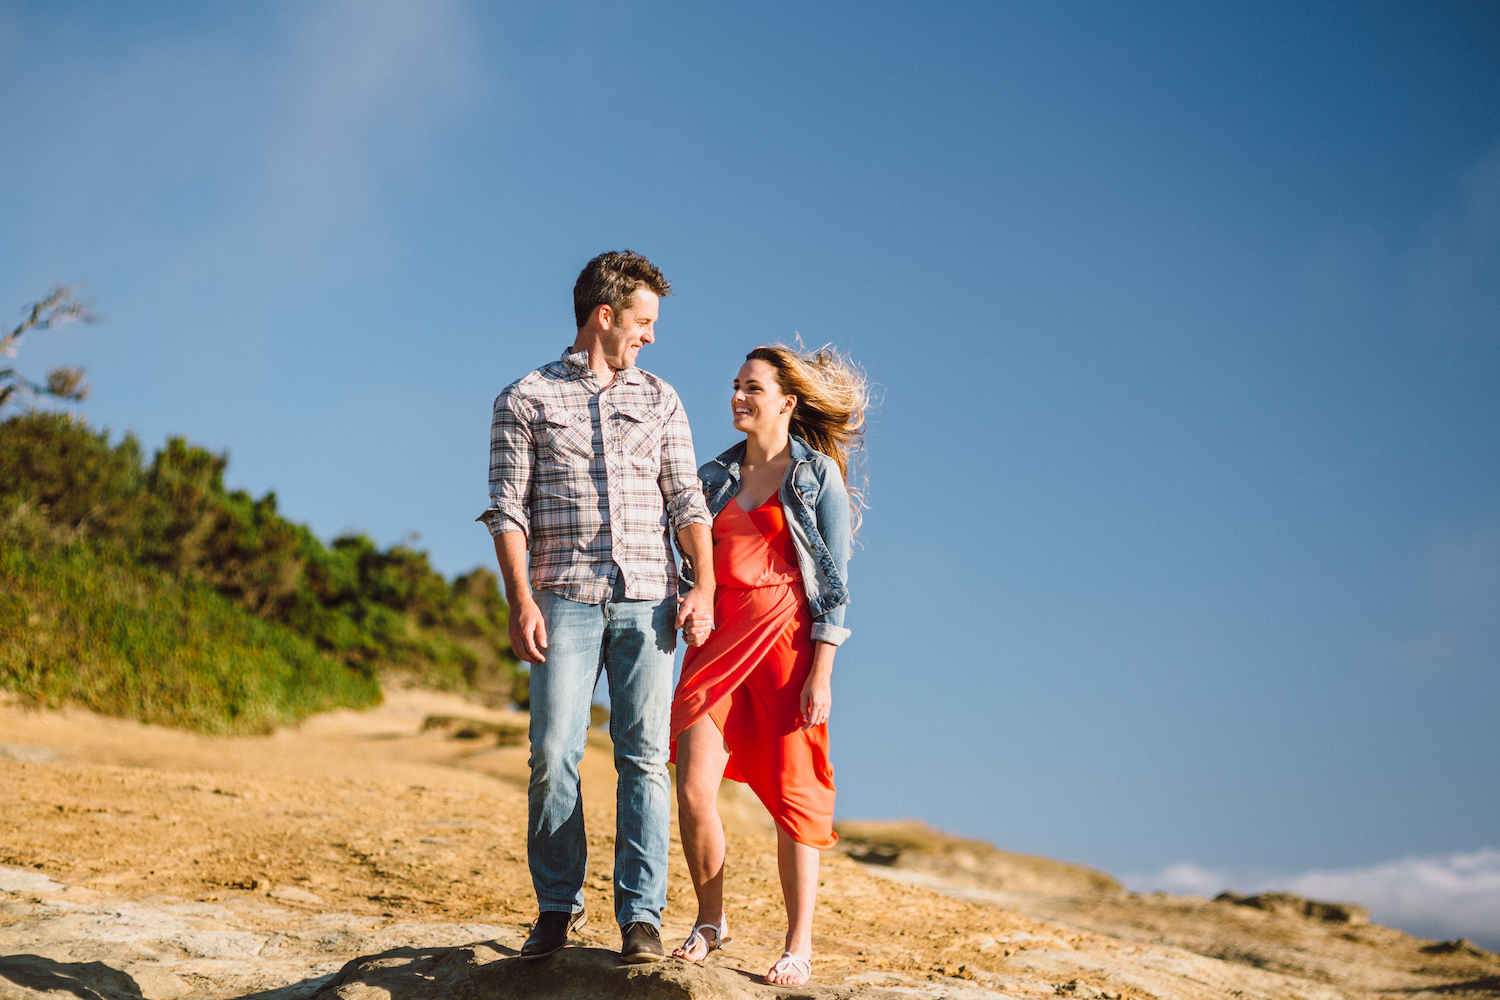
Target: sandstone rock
<point x="21" y="880"/>
<point x="913" y="845"/>
<point x="32" y="977"/>
<point x="1458" y="946"/>
<point x="416" y="845"/>
<point x="459" y="728"/>
<point x="158" y="984"/>
<point x="483" y="972"/>
<point x="27" y="755"/>
<point x="167" y="948"/>
<point x="219" y="944"/>
<point x="1286" y="902"/>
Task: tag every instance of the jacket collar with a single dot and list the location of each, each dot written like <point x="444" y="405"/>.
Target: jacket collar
<point x="576" y="363"/>
<point x="730" y="459"/>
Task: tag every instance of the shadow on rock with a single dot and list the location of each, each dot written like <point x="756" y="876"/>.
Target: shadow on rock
<point x="489" y="972"/>
<point x="1488" y="986"/>
<point x="32" y="974"/>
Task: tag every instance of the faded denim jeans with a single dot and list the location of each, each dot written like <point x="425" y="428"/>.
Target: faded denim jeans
<point x="632" y="642"/>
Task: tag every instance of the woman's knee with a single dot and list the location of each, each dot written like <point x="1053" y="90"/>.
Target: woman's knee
<point x="697" y="797"/>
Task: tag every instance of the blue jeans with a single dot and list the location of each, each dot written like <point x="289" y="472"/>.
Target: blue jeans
<point x="633" y="642"/>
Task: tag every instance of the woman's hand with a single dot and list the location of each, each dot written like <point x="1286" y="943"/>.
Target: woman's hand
<point x="695" y="614"/>
<point x="817" y="693"/>
<point x="696" y="630"/>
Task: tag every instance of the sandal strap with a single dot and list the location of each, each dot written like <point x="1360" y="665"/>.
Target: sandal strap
<point x="693" y="935"/>
<point x="793" y="963"/>
<point x="721" y="933"/>
<point x="721" y="937"/>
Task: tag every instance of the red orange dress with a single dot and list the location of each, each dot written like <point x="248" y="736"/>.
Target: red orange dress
<point x="748" y="676"/>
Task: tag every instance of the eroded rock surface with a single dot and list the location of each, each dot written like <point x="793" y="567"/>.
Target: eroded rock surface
<point x="914" y="846"/>
<point x="60" y="937"/>
<point x="484" y="972"/>
<point x="361" y="858"/>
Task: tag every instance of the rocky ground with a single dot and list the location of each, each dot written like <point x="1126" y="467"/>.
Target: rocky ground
<point x="367" y="857"/>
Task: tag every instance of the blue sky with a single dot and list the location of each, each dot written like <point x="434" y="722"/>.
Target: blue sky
<point x="1185" y="545"/>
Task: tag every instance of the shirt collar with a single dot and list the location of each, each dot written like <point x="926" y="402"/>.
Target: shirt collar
<point x="731" y="458"/>
<point x="578" y="363"/>
<point x="801" y="450"/>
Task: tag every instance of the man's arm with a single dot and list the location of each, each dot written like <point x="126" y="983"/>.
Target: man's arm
<point x="509" y="519"/>
<point x="528" y="630"/>
<point x="687" y="510"/>
<point x="695" y="615"/>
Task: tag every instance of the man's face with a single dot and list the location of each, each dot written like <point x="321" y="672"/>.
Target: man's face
<point x="630" y="329"/>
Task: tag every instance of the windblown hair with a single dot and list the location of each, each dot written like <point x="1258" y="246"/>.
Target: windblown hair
<point x="611" y="279"/>
<point x="832" y="396"/>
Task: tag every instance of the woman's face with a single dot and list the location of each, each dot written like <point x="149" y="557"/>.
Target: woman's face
<point x="758" y="402"/>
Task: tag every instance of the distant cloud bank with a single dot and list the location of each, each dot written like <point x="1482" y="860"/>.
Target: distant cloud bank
<point x="1440" y="896"/>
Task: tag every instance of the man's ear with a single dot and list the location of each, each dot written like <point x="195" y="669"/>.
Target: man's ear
<point x="605" y="314"/>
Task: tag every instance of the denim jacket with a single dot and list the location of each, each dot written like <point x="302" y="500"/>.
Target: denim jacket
<point x="817" y="513"/>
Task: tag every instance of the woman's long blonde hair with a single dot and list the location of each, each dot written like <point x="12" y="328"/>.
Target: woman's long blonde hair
<point x="832" y="396"/>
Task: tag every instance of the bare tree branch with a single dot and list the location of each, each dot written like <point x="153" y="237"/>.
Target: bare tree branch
<point x="61" y="306"/>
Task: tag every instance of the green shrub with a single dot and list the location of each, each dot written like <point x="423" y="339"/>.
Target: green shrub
<point x="84" y="625"/>
<point x="375" y="611"/>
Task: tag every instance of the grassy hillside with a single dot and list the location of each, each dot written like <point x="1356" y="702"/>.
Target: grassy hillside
<point x="82" y="625"/>
<point x="150" y="590"/>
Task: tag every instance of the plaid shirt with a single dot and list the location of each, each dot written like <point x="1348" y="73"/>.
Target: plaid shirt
<point x="594" y="478"/>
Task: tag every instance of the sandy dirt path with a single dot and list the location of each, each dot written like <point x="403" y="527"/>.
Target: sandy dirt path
<point x="218" y="867"/>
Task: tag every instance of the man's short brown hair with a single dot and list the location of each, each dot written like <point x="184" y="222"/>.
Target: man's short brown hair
<point x="611" y="279"/>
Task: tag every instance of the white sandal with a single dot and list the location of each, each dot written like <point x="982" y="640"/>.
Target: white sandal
<point x="791" y="963"/>
<point x="721" y="938"/>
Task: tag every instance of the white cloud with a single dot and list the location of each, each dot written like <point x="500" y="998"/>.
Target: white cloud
<point x="1183" y="878"/>
<point x="1439" y="896"/>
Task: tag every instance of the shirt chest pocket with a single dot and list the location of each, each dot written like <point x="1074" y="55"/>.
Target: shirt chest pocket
<point x="562" y="435"/>
<point x="637" y="432"/>
<point x="807" y="488"/>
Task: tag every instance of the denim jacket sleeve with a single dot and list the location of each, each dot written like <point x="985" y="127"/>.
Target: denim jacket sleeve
<point x="834" y="525"/>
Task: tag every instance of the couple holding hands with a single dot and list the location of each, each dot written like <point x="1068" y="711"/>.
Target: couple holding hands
<point x="592" y="474"/>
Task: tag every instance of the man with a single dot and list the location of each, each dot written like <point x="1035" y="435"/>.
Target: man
<point x="591" y="467"/>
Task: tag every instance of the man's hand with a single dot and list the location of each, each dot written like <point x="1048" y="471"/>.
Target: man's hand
<point x="695" y="615"/>
<point x="528" y="632"/>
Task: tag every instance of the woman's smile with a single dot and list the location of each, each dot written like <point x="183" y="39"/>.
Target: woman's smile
<point x="756" y="380"/>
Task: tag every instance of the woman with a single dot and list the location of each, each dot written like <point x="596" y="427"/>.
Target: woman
<point x="753" y="700"/>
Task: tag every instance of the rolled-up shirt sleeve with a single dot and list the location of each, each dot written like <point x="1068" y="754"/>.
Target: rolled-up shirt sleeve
<point x="826" y="627"/>
<point x="680" y="488"/>
<point x="510" y="465"/>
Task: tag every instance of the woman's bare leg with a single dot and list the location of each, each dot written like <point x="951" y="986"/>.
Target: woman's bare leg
<point x="701" y="758"/>
<point x="798" y="865"/>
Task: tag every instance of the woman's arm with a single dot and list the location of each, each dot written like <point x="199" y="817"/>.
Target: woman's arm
<point x="836" y="529"/>
<point x="817" y="693"/>
<point x="834" y="520"/>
